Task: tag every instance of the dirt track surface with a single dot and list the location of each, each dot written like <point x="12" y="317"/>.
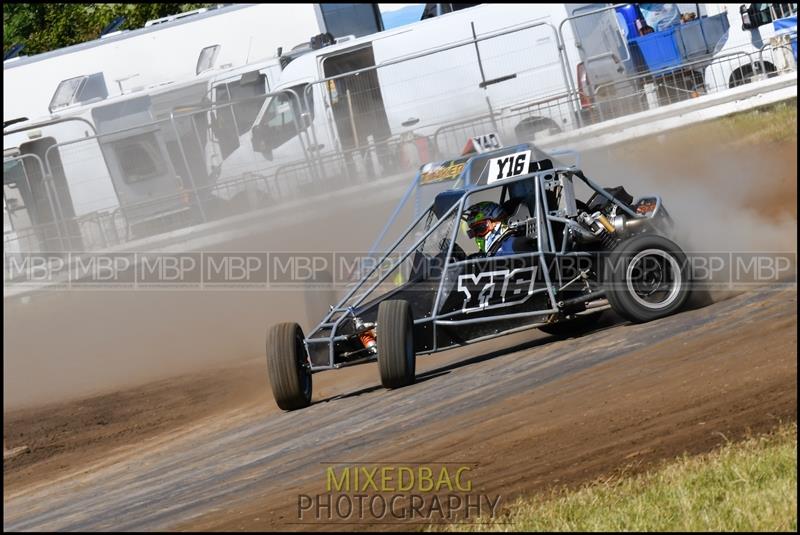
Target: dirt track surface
<point x="204" y="447"/>
<point x="532" y="411"/>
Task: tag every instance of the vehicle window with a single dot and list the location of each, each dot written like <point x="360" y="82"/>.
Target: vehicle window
<point x="766" y="13"/>
<point x="347" y="19"/>
<point x="437" y="242"/>
<point x="280" y="112"/>
<point x="139" y="158"/>
<point x="79" y="89"/>
<point x="244" y="95"/>
<point x="302" y="93"/>
<point x="282" y="117"/>
<point x="279" y="120"/>
<point x="764" y="16"/>
<point x="780" y="11"/>
<point x="207" y="58"/>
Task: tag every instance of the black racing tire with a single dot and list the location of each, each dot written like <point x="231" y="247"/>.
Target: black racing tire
<point x="646" y="277"/>
<point x="395" y="333"/>
<point x="572" y="327"/>
<point x="287" y="367"/>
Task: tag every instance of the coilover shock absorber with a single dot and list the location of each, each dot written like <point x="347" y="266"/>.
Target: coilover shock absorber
<point x="366" y="334"/>
<point x="601" y="227"/>
<point x="608" y="234"/>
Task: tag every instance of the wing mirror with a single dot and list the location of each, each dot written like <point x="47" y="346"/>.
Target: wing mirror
<point x="747" y="17"/>
<point x="753" y="17"/>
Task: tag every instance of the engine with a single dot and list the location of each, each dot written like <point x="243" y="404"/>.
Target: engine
<point x="603" y="221"/>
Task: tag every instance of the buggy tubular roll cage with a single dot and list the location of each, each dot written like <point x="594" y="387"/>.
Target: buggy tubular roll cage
<point x="543" y="218"/>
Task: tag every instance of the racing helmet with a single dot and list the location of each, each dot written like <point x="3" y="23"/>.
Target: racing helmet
<point x="485" y="221"/>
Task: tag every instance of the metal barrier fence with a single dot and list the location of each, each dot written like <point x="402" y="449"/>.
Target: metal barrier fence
<point x="209" y="161"/>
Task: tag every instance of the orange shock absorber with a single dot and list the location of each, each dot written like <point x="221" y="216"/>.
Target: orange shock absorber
<point x="368" y="338"/>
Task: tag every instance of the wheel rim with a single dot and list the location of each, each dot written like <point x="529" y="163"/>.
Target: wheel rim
<point x="302" y="370"/>
<point x="653" y="279"/>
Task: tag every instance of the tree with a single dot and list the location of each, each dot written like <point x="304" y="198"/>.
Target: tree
<point x="43" y="27"/>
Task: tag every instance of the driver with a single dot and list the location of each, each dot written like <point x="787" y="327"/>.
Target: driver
<point x="487" y="223"/>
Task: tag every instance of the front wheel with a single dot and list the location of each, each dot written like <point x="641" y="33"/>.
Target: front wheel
<point x="647" y="277"/>
<point x="287" y="366"/>
<point x="396" y="356"/>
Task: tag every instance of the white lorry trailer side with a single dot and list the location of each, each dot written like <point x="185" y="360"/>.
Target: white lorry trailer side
<point x="175" y="50"/>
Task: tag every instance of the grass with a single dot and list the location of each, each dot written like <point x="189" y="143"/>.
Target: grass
<point x="743" y="486"/>
<point x="775" y="123"/>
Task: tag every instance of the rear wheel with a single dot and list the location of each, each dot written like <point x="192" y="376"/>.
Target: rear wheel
<point x="287" y="366"/>
<point x="647" y="277"/>
<point x="396" y="357"/>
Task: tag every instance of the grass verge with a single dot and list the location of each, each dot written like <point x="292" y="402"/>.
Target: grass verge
<point x="743" y="486"/>
<point x="775" y="123"/>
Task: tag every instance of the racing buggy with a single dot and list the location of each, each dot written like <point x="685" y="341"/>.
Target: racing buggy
<point x="433" y="288"/>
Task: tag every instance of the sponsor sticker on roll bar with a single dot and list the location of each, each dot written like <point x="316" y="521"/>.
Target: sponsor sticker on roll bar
<point x="441" y="171"/>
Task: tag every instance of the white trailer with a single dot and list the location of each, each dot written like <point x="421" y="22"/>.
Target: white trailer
<point x="172" y="50"/>
<point x="106" y="170"/>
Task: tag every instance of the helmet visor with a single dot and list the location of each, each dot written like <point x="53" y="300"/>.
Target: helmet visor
<point x="480" y="228"/>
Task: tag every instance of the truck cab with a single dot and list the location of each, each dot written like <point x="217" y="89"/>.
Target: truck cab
<point x="762" y="42"/>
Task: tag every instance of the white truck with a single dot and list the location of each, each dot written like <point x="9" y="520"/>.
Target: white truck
<point x="431" y="74"/>
<point x="752" y="49"/>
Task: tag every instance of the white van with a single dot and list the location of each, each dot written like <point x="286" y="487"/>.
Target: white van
<point x="750" y="51"/>
<point x="141" y="175"/>
<point x="422" y="84"/>
<point x="118" y="167"/>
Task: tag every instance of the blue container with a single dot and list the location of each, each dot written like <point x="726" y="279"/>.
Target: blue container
<point x="628" y="13"/>
<point x="788" y="25"/>
<point x="659" y="50"/>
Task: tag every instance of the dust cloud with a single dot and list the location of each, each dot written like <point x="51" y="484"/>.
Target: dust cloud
<point x="724" y="192"/>
<point x="725" y="195"/>
<point x="61" y="345"/>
